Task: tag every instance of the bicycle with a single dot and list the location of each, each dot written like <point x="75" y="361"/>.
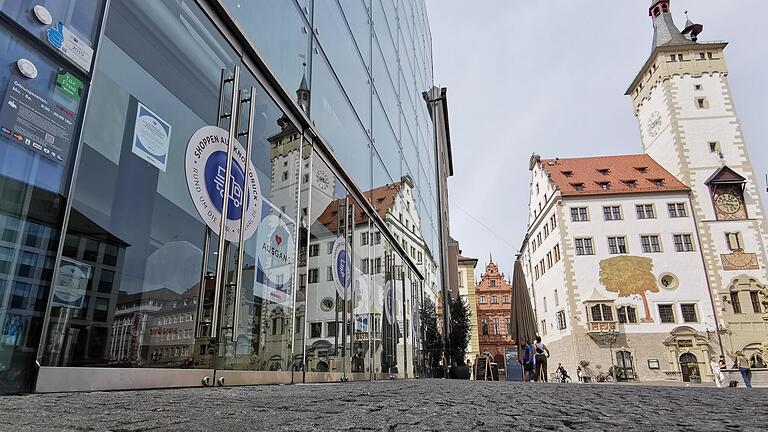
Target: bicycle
<point x="560" y="378"/>
<point x="604" y="377"/>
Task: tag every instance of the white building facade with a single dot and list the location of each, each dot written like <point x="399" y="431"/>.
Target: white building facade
<point x="613" y="264"/>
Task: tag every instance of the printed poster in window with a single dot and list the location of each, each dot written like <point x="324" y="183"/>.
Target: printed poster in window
<point x="72" y="284"/>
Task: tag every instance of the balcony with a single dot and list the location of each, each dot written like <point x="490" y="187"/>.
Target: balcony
<point x="601" y="326"/>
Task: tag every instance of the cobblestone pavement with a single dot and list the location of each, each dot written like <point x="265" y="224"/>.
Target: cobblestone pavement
<point x="419" y="405"/>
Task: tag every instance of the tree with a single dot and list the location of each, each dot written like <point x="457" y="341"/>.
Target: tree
<point x="628" y="276"/>
<point x="433" y="342"/>
<point x="460" y="330"/>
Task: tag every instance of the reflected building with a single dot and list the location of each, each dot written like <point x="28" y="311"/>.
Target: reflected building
<point x="175" y="223"/>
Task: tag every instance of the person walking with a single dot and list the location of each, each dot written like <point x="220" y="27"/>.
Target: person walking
<point x="542" y="352"/>
<point x="716" y="371"/>
<point x="527" y="361"/>
<point x="743" y="364"/>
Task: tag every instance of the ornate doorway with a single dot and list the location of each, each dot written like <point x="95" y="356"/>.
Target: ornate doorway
<point x="689" y="367"/>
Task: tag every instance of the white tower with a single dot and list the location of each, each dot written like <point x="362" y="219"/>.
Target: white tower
<point x="688" y="124"/>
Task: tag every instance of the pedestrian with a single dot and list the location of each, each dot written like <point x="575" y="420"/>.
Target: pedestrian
<point x="469" y="365"/>
<point x="743" y="364"/>
<point x="716" y="371"/>
<point x="527" y="361"/>
<point x="578" y="373"/>
<point x="542" y="352"/>
<point x="722" y="363"/>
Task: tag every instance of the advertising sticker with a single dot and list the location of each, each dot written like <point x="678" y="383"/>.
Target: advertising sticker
<point x="151" y="137"/>
<point x="72" y="284"/>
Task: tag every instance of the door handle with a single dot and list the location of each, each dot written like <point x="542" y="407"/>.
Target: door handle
<point x="232" y="115"/>
<point x="241" y="240"/>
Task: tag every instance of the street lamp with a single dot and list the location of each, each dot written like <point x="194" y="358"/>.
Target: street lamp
<point x="609" y="338"/>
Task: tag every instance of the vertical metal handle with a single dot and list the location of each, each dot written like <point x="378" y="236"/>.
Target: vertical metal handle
<point x="220" y="270"/>
<point x="241" y="240"/>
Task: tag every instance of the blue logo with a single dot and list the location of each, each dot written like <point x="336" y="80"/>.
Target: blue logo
<point x="56" y="35"/>
<point x="215" y="171"/>
<point x="341" y="267"/>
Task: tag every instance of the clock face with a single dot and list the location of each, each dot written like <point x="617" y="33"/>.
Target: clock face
<point x="654" y="124"/>
<point x="728" y="203"/>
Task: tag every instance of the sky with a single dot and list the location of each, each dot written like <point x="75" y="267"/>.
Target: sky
<point x="549" y="76"/>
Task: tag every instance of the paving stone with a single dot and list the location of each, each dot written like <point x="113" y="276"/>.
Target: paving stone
<point x="416" y="405"/>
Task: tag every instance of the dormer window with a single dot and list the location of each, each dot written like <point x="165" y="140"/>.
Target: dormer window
<point x="658" y="182"/>
<point x="578" y="186"/>
<point x="604" y="171"/>
<point x="567" y="173"/>
<point x="632" y="184"/>
<point x="604" y="185"/>
<point x="642" y="169"/>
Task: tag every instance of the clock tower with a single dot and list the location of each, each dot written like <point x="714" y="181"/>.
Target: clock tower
<point x="688" y="124"/>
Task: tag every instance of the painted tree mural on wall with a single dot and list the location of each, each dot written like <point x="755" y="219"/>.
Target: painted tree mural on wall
<point x="629" y="276"/>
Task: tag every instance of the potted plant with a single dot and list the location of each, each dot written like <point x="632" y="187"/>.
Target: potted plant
<point x="459" y="338"/>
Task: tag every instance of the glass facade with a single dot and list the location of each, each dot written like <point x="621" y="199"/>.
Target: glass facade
<point x="134" y="135"/>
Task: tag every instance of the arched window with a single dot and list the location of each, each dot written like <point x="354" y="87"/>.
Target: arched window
<point x="485" y="327"/>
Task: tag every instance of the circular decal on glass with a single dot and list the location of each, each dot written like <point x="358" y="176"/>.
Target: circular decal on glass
<point x="275" y="253"/>
<point x="342" y="267"/>
<point x="389" y="300"/>
<point x="205" y="167"/>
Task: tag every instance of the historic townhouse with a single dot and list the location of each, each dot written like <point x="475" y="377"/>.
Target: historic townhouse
<point x="655" y="262"/>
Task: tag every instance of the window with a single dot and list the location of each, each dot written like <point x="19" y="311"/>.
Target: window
<point x="645" y="211"/>
<point x="578" y="186"/>
<point x="561" y="320"/>
<point x="754" y="297"/>
<point x="496" y="326"/>
<point x="735" y="241"/>
<point x="546" y="231"/>
<point x="677" y="210"/>
<point x="557" y="298"/>
<point x="544" y="327"/>
<point x="315" y="330"/>
<point x="666" y="314"/>
<point x="601" y="312"/>
<point x="485" y="327"/>
<point x="314" y="250"/>
<point x="365" y="264"/>
<point x="330" y="248"/>
<point x="714" y="147"/>
<point x="658" y="182"/>
<point x="543" y="267"/>
<point x="549" y="259"/>
<point x="553" y="222"/>
<point x="567" y="173"/>
<point x="364" y="238"/>
<point x="697" y="87"/>
<point x="604" y="171"/>
<point x="671" y="56"/>
<point x="702" y="56"/>
<point x="650" y="243"/>
<point x="494" y="299"/>
<point x="312" y="276"/>
<point x="493" y="282"/>
<point x="377" y="237"/>
<point x="604" y="185"/>
<point x="557" y="252"/>
<point x="683" y="243"/>
<point x="689" y="312"/>
<point x="584" y="246"/>
<point x="632" y="184"/>
<point x="508" y="328"/>
<point x="641" y="169"/>
<point x="735" y="303"/>
<point x="285" y="175"/>
<point x="377" y="265"/>
<point x="329" y="274"/>
<point x="505" y="298"/>
<point x="701" y="103"/>
<point x="482" y="299"/>
<point x="617" y="245"/>
<point x="627" y="315"/>
<point x="332" y="328"/>
<point x="611" y="213"/>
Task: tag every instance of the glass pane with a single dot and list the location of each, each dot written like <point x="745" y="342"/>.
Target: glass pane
<point x="279" y="31"/>
<point x="133" y="218"/>
<point x="32" y="186"/>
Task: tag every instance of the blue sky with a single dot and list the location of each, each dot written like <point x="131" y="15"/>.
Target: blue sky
<point x="549" y="76"/>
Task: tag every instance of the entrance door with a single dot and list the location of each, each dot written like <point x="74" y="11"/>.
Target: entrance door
<point x="179" y="137"/>
<point x="624" y="361"/>
<point x="688" y="366"/>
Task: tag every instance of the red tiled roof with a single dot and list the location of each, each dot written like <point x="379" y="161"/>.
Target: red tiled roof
<point x="587" y="176"/>
<point x="382" y="198"/>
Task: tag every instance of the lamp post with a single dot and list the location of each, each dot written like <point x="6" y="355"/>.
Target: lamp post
<point x="609" y="338"/>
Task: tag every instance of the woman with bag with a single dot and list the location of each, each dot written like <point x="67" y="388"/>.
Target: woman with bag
<point x="541" y="360"/>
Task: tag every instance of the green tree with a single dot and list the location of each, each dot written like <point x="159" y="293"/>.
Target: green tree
<point x="628" y="276"/>
<point x="433" y="342"/>
<point x="460" y="330"/>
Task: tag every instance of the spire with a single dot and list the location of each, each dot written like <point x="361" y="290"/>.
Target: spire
<point x="665" y="32"/>
<point x="302" y="93"/>
<point x="491" y="261"/>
